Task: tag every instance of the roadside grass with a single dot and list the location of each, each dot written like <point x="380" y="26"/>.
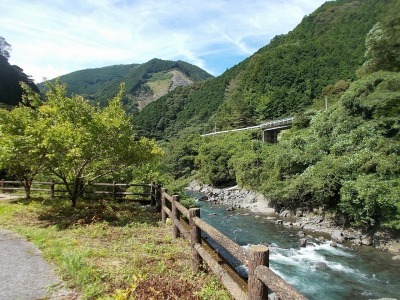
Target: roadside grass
<point x="109" y="250"/>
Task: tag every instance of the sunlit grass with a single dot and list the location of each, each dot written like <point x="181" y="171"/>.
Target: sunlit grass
<point x="110" y="250"/>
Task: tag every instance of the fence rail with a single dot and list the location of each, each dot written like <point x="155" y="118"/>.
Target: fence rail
<point x="117" y="190"/>
<point x="260" y="276"/>
<point x="187" y="223"/>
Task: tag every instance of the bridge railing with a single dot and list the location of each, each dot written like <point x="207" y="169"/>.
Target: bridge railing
<point x="269" y="124"/>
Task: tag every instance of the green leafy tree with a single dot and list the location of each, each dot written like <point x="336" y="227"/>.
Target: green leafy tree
<point x="383" y="48"/>
<point x="84" y="143"/>
<point x="5" y="48"/>
<point x="20" y="152"/>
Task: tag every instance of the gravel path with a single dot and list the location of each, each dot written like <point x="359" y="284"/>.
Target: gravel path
<point x="24" y="274"/>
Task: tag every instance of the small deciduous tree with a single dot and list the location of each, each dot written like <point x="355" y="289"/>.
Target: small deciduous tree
<point x="84" y="143"/>
<point x="21" y="153"/>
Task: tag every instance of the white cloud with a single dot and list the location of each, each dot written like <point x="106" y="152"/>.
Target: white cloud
<point x="54" y="37"/>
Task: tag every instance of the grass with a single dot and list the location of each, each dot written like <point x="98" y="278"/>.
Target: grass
<point x="108" y="250"/>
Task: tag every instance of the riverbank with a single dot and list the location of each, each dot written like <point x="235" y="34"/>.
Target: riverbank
<point x="317" y="222"/>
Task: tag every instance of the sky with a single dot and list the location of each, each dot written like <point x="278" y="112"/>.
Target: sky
<point x="50" y="38"/>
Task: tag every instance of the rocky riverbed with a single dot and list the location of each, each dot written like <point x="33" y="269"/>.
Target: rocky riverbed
<point x="316" y="221"/>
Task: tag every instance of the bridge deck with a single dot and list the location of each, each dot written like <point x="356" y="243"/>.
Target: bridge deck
<point x="270" y="125"/>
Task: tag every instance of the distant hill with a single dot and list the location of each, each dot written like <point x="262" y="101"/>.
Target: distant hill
<point x="144" y="83"/>
<point x="10" y="78"/>
<point x="280" y="79"/>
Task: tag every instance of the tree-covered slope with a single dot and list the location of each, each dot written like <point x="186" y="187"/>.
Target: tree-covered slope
<point x="143" y="82"/>
<point x="10" y="78"/>
<point x="280" y="79"/>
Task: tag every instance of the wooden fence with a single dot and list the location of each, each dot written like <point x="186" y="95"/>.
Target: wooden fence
<point x="187" y="223"/>
<point x="114" y="190"/>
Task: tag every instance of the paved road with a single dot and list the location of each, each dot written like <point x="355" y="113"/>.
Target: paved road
<point x="24" y="274"/>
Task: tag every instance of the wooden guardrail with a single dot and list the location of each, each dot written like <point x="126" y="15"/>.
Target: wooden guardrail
<point x="260" y="276"/>
<point x="114" y="190"/>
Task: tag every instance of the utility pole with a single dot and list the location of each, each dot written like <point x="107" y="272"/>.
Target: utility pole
<point x="326" y="103"/>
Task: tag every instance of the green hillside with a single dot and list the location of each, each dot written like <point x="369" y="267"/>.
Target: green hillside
<point x="10" y="78"/>
<point x="144" y="83"/>
<point x="282" y="78"/>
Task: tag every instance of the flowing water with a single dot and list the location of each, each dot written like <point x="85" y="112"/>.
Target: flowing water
<point x="363" y="273"/>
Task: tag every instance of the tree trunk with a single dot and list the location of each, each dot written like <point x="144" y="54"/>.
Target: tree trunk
<point x="27" y="187"/>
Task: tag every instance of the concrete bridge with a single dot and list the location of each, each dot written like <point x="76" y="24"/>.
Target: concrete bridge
<point x="270" y="129"/>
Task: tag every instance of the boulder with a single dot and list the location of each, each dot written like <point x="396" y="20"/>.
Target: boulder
<point x="367" y="240"/>
<point x="397" y="257"/>
<point x="318" y="219"/>
<point x="321" y="266"/>
<point x="299" y="213"/>
<point x="285" y="213"/>
<point x="338" y="236"/>
<point x="230" y="208"/>
<point x="278" y="222"/>
<point x="333" y="244"/>
<point x="301" y="234"/>
<point x="203" y="198"/>
<point x="303" y="243"/>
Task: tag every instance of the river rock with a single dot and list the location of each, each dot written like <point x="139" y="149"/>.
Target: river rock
<point x="273" y="296"/>
<point x="318" y="219"/>
<point x="278" y="222"/>
<point x="230" y="208"/>
<point x="203" y="198"/>
<point x="338" y="236"/>
<point x="287" y="224"/>
<point x="285" y="213"/>
<point x="397" y="257"/>
<point x="249" y="199"/>
<point x="270" y="218"/>
<point x="333" y="244"/>
<point x="299" y="213"/>
<point x="303" y="243"/>
<point x="321" y="239"/>
<point x="367" y="240"/>
<point x="321" y="266"/>
<point x="301" y="234"/>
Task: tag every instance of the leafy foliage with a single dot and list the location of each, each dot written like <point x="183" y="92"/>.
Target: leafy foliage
<point x="74" y="141"/>
<point x="10" y="77"/>
<point x="280" y="79"/>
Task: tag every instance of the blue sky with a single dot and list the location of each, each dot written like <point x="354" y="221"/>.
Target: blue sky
<point x="50" y="38"/>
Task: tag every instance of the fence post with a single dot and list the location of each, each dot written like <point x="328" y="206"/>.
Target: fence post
<point x="163" y="213"/>
<point x="2" y="185"/>
<point x="195" y="238"/>
<point x="153" y="191"/>
<point x="52" y="188"/>
<point x="114" y="191"/>
<point x="175" y="216"/>
<point x="258" y="255"/>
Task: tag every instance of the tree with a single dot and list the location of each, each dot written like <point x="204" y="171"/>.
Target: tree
<point x="84" y="143"/>
<point x="5" y="48"/>
<point x="21" y="154"/>
<point x="383" y="48"/>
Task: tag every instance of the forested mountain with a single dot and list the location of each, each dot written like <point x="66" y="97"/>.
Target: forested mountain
<point x="10" y="78"/>
<point x="284" y="77"/>
<point x="144" y="83"/>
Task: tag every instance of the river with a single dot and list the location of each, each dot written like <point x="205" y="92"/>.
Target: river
<point x="361" y="273"/>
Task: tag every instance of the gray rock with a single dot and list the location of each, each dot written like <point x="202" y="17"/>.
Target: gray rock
<point x="321" y="266"/>
<point x="256" y="216"/>
<point x="273" y="296"/>
<point x="338" y="236"/>
<point x="287" y="224"/>
<point x="321" y="239"/>
<point x="367" y="240"/>
<point x="301" y="234"/>
<point x="231" y="208"/>
<point x="203" y="198"/>
<point x="278" y="222"/>
<point x="397" y="257"/>
<point x="303" y="242"/>
<point x="318" y="219"/>
<point x="333" y="244"/>
<point x="299" y="213"/>
<point x="285" y="213"/>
